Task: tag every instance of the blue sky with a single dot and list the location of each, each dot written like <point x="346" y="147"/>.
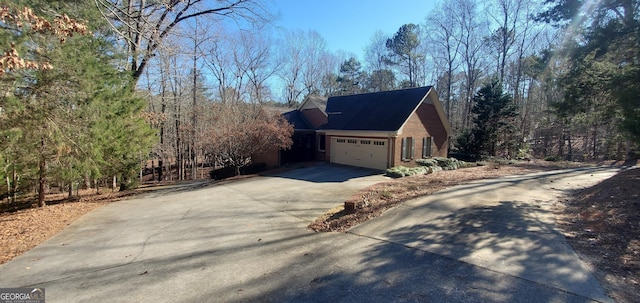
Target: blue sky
<point x="348" y="25"/>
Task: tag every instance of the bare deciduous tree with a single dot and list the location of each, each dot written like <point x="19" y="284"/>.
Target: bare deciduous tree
<point x="143" y="25"/>
<point x="442" y="31"/>
<point x="241" y="131"/>
<point x="471" y="34"/>
<point x="305" y="61"/>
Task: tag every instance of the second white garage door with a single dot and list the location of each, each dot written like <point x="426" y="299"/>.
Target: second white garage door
<point x="362" y="152"/>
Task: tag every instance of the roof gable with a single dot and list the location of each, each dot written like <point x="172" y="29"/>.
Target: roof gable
<point x="298" y="120"/>
<point x="314" y="101"/>
<point x="382" y="111"/>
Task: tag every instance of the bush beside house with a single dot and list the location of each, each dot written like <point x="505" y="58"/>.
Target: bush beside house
<point x="426" y="166"/>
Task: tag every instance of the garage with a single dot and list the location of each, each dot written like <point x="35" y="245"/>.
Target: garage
<point x="362" y="152"/>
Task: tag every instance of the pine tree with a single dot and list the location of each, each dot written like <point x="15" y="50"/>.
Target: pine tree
<point x="493" y="132"/>
<point x="80" y="117"/>
<point x="403" y="52"/>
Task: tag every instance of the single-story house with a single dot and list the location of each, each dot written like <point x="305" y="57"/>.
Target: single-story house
<point x="309" y="116"/>
<point x="373" y="130"/>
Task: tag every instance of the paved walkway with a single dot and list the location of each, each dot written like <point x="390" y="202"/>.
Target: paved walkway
<point x="491" y="241"/>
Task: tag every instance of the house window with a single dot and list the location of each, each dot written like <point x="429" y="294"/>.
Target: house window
<point x="427" y="147"/>
<point x="407" y="148"/>
<point x="365" y="142"/>
<point x="351" y="141"/>
<point x="381" y="143"/>
<point x="341" y="140"/>
<point x="321" y="143"/>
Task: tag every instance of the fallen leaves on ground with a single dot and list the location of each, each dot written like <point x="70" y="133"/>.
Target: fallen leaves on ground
<point x="602" y="224"/>
<point x="374" y="200"/>
<point x="27" y="228"/>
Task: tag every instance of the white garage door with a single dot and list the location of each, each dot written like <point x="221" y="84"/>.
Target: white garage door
<point x="360" y="152"/>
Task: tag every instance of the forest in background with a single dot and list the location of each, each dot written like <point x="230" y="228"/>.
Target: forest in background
<point x="96" y="91"/>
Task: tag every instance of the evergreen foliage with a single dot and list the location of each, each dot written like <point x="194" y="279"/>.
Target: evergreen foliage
<point x="76" y="122"/>
<point x="352" y="78"/>
<point x="494" y="128"/>
<point x="602" y="81"/>
<point x="403" y="51"/>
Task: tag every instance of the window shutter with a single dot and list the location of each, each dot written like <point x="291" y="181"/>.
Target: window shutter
<point x="404" y="148"/>
<point x="412" y="147"/>
<point x="424" y="147"/>
<point x="428" y="147"/>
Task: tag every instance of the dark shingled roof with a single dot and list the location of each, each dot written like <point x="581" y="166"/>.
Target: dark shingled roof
<point x="382" y="111"/>
<point x="296" y="119"/>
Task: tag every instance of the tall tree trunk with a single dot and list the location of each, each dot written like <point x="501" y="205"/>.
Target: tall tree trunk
<point x="569" y="147"/>
<point x="153" y="169"/>
<point x="87" y="181"/>
<point x="194" y="110"/>
<point x="595" y="140"/>
<point x="8" y="181"/>
<point x="561" y="143"/>
<point x="14" y="184"/>
<point x="42" y="182"/>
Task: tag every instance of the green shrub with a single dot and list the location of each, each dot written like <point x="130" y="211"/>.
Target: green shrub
<point x="401" y="171"/>
<point x="222" y="173"/>
<point x="397" y="172"/>
<point x="427" y="162"/>
<point x="451" y="166"/>
<point x="427" y="166"/>
<point x="420" y="170"/>
<point x="253" y="168"/>
<point x="442" y="161"/>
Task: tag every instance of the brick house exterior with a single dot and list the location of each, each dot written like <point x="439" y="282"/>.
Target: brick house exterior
<point x="424" y="123"/>
<point x="386" y="129"/>
<point x="375" y="130"/>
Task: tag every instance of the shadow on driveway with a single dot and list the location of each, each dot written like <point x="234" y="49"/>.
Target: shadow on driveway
<point x="370" y="270"/>
<point x="234" y="243"/>
<point x="327" y="173"/>
<point x="499" y="246"/>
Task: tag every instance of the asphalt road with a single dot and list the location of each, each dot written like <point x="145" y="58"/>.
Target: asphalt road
<point x="246" y="241"/>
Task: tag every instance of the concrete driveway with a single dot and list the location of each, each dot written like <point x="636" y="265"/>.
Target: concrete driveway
<point x="246" y="241"/>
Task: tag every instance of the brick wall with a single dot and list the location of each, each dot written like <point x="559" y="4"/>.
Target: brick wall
<point x="425" y="122"/>
<point x="327" y="154"/>
<point x="270" y="157"/>
<point x="322" y="155"/>
<point x="315" y="116"/>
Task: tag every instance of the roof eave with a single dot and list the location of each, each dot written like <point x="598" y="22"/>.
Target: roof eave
<point x="358" y="133"/>
<point x="414" y="110"/>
